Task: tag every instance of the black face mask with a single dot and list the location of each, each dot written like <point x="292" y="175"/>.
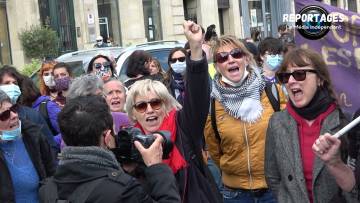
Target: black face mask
<point x="318" y="104"/>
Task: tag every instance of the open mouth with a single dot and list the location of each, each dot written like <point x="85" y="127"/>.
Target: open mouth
<point x="233" y="69"/>
<point x="115" y="103"/>
<point x="297" y="92"/>
<point x="151" y="119"/>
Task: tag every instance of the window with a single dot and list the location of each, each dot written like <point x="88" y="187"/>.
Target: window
<point x="109" y="21"/>
<point x="152" y="20"/>
<point x="352" y="5"/>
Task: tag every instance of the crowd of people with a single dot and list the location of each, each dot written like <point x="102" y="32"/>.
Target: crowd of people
<point x="230" y="121"/>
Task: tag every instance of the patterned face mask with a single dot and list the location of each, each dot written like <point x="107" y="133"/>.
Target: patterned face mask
<point x="62" y="84"/>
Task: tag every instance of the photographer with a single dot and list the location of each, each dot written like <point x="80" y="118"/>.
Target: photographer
<point x="89" y="172"/>
<point x="152" y="107"/>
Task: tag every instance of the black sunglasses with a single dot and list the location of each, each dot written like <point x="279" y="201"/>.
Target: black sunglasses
<point x="298" y="75"/>
<point x="142" y="106"/>
<point x="236" y="53"/>
<point x="180" y="59"/>
<point x="6" y="114"/>
<point x="106" y="65"/>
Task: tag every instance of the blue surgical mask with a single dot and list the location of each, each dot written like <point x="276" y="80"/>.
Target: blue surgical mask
<point x="179" y="67"/>
<point x="274" y="61"/>
<point x="13" y="91"/>
<point x="10" y="135"/>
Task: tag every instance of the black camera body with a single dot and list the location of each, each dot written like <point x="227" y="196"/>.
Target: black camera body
<point x="126" y="152"/>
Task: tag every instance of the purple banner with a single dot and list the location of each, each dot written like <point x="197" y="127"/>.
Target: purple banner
<point x="340" y="49"/>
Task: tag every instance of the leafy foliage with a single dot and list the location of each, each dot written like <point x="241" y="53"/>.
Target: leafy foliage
<point x="31" y="67"/>
<point x="39" y="42"/>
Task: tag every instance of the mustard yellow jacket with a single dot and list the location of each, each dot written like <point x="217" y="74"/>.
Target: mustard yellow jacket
<point x="240" y="153"/>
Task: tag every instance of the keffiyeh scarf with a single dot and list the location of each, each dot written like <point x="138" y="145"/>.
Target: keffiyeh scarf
<point x="241" y="102"/>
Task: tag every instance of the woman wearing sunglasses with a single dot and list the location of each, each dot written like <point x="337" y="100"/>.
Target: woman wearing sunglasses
<point x="152" y="107"/>
<point x="101" y="66"/>
<point x="24" y="155"/>
<point x="292" y="169"/>
<point x="235" y="131"/>
<point x="175" y="75"/>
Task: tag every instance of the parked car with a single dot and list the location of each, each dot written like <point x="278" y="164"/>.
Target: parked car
<point x="158" y="49"/>
<point x="79" y="60"/>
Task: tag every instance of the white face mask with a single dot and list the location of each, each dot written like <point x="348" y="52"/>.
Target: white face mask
<point x="179" y="67"/>
<point x="49" y="80"/>
<point x="235" y="84"/>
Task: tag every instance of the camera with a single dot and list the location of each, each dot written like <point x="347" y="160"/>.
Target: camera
<point x="126" y="152"/>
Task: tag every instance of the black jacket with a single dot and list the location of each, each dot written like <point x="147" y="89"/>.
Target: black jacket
<point x="36" y="118"/>
<point x="68" y="177"/>
<point x="40" y="154"/>
<point x="196" y="183"/>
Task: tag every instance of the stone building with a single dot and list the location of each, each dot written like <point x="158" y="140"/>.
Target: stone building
<point x="128" y="22"/>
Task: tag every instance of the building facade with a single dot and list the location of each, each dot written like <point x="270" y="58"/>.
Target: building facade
<point x="129" y="22"/>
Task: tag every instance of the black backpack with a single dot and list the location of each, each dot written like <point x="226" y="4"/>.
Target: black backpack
<point x="48" y="192"/>
<point x="44" y="112"/>
<point x="272" y="93"/>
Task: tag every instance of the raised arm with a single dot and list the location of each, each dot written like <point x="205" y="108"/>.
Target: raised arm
<point x="197" y="91"/>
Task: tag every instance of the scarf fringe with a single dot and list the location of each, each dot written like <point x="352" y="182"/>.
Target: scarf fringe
<point x="241" y="102"/>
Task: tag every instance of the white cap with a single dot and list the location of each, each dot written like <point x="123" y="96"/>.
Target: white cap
<point x="99" y="38"/>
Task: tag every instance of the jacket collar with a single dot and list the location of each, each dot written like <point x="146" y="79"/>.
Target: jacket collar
<point x="331" y="124"/>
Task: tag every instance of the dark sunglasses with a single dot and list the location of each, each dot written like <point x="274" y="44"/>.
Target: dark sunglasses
<point x="6" y="114"/>
<point x="298" y="75"/>
<point x="235" y="53"/>
<point x="106" y="65"/>
<point x="142" y="106"/>
<point x="180" y="59"/>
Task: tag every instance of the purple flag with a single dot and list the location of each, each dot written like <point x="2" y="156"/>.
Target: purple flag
<point x="340" y="49"/>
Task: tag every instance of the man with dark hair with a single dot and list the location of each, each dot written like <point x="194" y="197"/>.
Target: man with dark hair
<point x="270" y="57"/>
<point x="88" y="170"/>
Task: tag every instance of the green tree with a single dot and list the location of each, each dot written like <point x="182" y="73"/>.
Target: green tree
<point x="39" y="42"/>
<point x="31" y="67"/>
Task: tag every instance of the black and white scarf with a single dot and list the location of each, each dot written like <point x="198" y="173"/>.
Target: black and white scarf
<point x="241" y="102"/>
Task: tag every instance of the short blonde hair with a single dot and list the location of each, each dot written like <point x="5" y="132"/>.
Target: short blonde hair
<point x="230" y="40"/>
<point x="142" y="88"/>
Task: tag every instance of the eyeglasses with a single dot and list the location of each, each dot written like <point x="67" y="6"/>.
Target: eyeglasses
<point x="100" y="40"/>
<point x="235" y="53"/>
<point x="142" y="106"/>
<point x="106" y="65"/>
<point x="298" y="75"/>
<point x="180" y="59"/>
<point x="6" y="114"/>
